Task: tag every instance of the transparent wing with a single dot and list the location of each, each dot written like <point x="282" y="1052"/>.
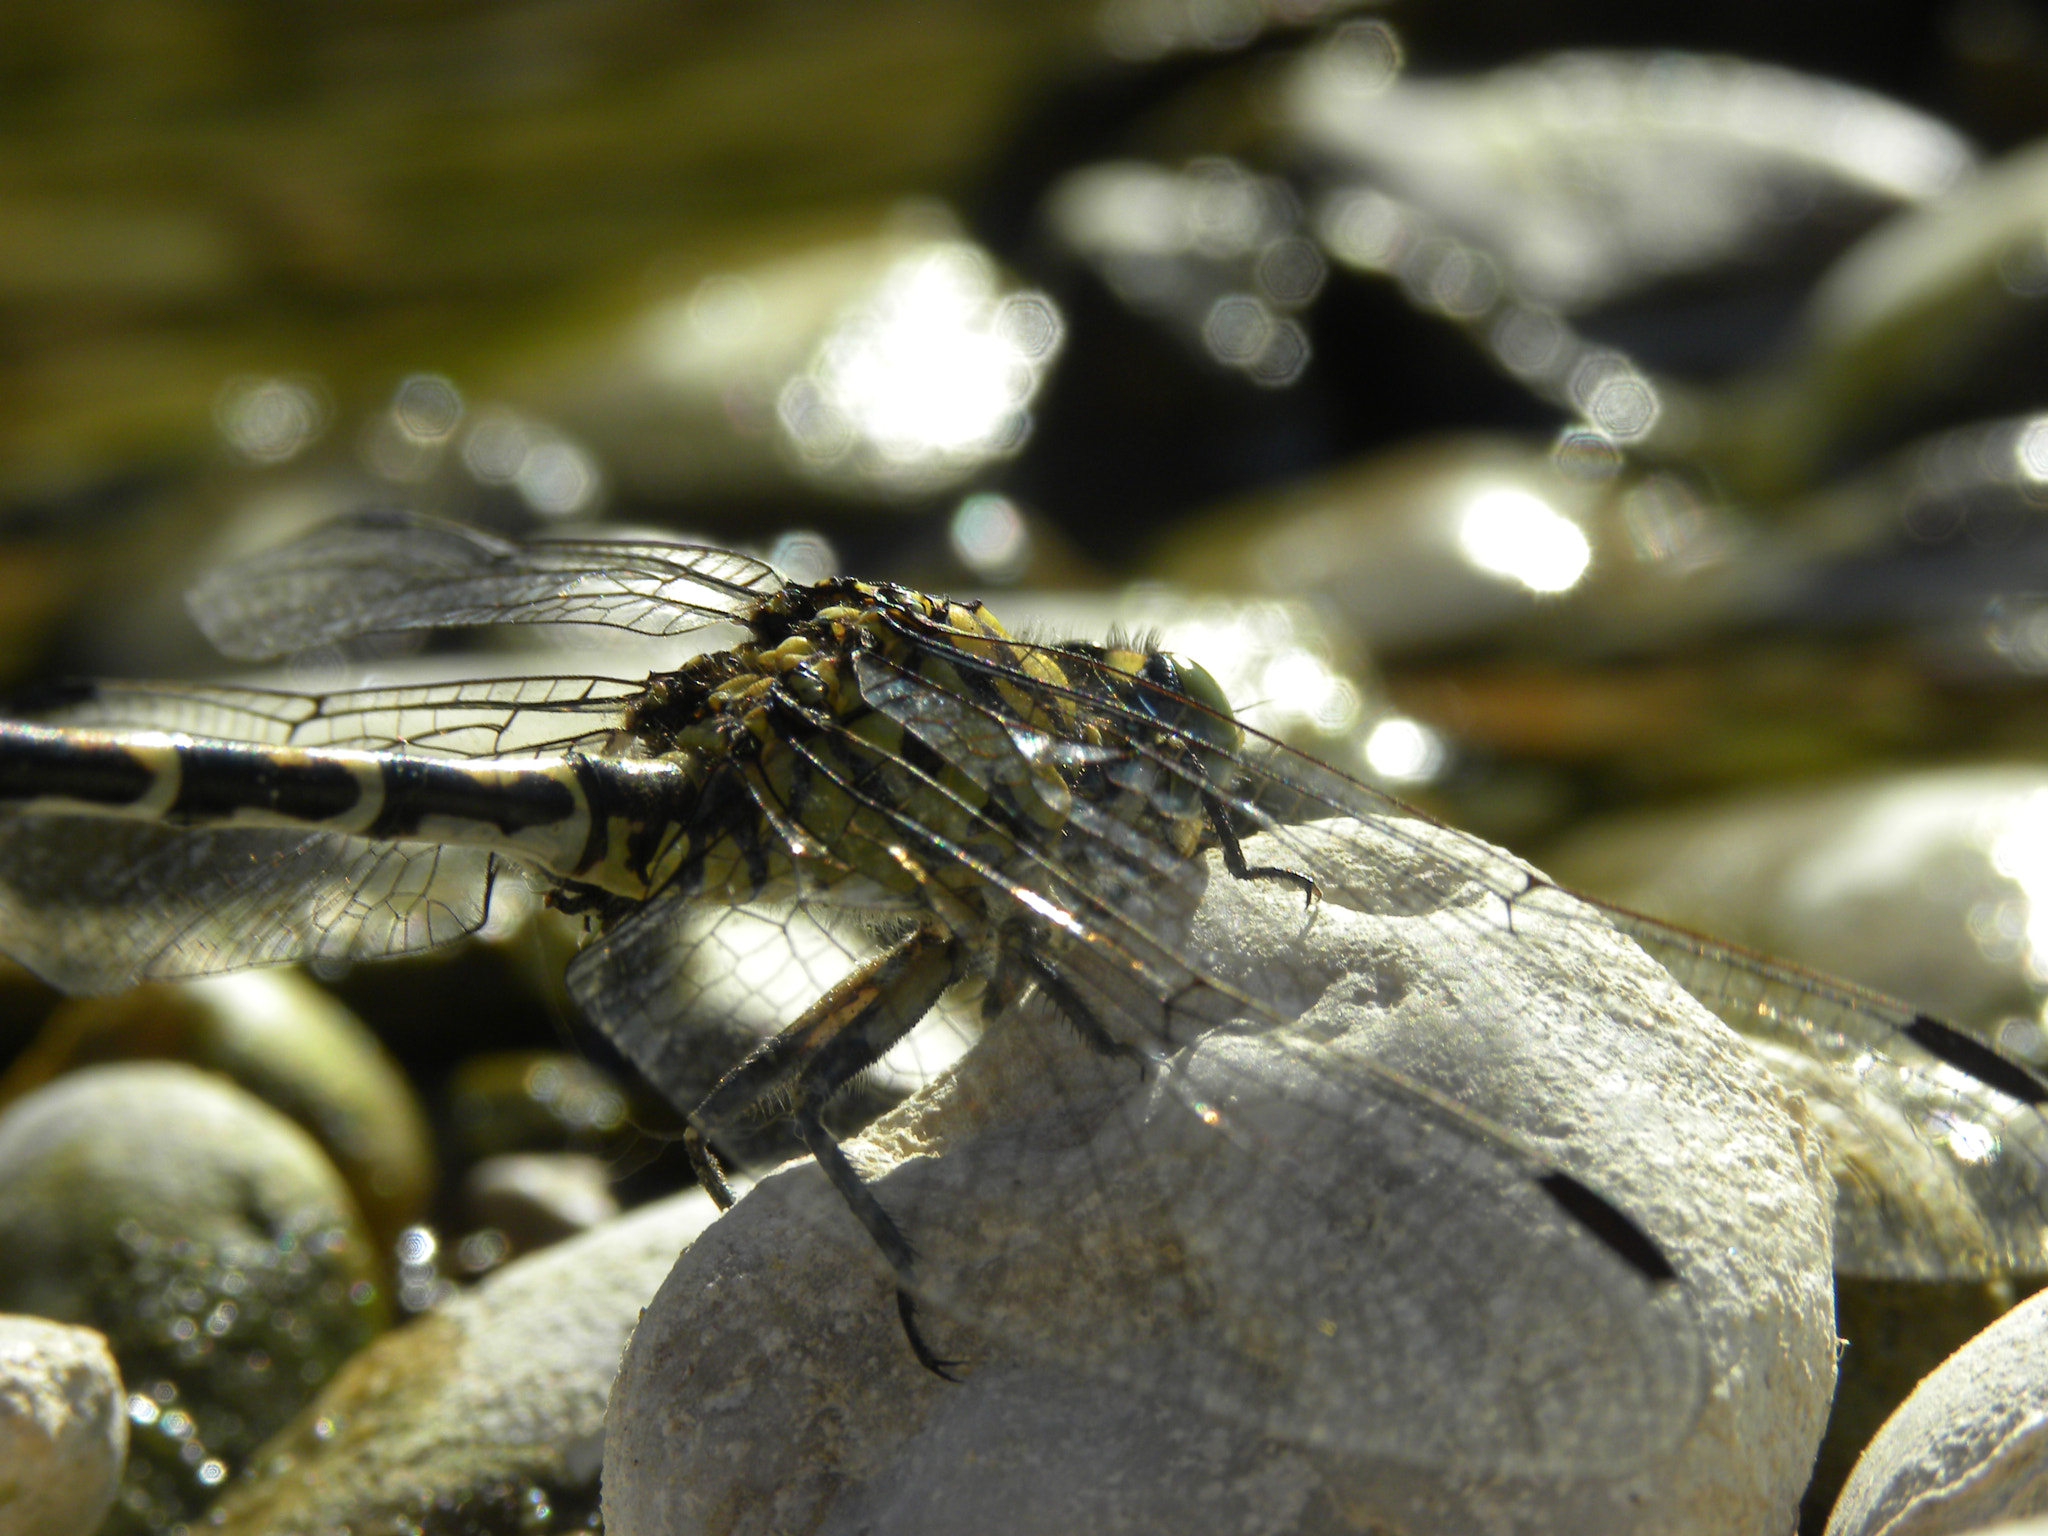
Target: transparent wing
<point x="1098" y="857"/>
<point x="685" y="991"/>
<point x="500" y="717"/>
<point x="1940" y="1143"/>
<point x="392" y="570"/>
<point x="1331" y="1267"/>
<point x="1119" y="902"/>
<point x="1039" y="828"/>
<point x="95" y="906"/>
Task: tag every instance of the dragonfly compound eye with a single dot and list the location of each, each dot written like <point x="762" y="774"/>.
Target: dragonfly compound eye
<point x="1185" y="698"/>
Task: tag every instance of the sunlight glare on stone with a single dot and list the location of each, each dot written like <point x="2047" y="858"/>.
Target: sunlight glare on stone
<point x="270" y="420"/>
<point x="404" y="442"/>
<point x="1522" y="537"/>
<point x="2030" y="451"/>
<point x="990" y="536"/>
<point x="1299" y="687"/>
<point x="1274" y="682"/>
<point x="554" y="476"/>
<point x="931" y="373"/>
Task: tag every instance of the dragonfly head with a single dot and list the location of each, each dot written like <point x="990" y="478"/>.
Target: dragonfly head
<point x="1182" y="696"/>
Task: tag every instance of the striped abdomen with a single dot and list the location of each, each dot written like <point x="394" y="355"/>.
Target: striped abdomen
<point x="604" y="822"/>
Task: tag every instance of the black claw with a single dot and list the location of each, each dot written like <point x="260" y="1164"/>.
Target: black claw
<point x="906" y="1308"/>
<point x="705" y="1165"/>
<point x="1233" y="855"/>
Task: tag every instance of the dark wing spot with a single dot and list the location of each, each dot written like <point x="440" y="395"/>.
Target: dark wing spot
<point x="1973" y="1056"/>
<point x="1611" y="1225"/>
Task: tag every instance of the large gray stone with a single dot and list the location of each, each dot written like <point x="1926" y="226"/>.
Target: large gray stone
<point x="1246" y="1290"/>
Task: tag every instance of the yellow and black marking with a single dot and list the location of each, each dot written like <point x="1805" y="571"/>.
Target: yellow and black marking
<point x="863" y="737"/>
<point x="1005" y="807"/>
<point x="602" y="823"/>
<point x="872" y="733"/>
<point x="800" y="768"/>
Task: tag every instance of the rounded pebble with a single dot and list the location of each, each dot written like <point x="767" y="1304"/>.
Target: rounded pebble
<point x="537" y="1198"/>
<point x="63" y="1428"/>
<point x="287" y="1040"/>
<point x="1968" y="1448"/>
<point x="212" y="1242"/>
<point x="485" y="1414"/>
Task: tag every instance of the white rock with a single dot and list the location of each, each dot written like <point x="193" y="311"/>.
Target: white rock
<point x="63" y="1428"/>
<point x="1968" y="1448"/>
<point x="1322" y="1310"/>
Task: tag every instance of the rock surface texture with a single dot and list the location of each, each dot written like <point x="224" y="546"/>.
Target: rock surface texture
<point x="1261" y="1285"/>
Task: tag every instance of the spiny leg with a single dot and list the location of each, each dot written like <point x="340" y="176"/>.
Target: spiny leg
<point x="1070" y="1005"/>
<point x="880" y="1225"/>
<point x="1233" y="853"/>
<point x="797" y="1071"/>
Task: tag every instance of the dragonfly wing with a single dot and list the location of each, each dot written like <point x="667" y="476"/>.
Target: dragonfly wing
<point x="1351" y="1275"/>
<point x="1109" y="936"/>
<point x="1940" y="1142"/>
<point x="393" y="570"/>
<point x="498" y="717"/>
<point x="1278" y="1226"/>
<point x="638" y="984"/>
<point x="94" y="906"/>
<point x="1604" y="1364"/>
<point x="1940" y="1146"/>
<point x="684" y="992"/>
<point x="997" y="753"/>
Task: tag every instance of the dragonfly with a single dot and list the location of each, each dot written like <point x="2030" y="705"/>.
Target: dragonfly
<point x="891" y="780"/>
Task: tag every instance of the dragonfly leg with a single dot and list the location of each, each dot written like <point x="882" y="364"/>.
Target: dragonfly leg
<point x="881" y="1226"/>
<point x="797" y="1071"/>
<point x="704" y="1163"/>
<point x="1070" y="1005"/>
<point x="1233" y="853"/>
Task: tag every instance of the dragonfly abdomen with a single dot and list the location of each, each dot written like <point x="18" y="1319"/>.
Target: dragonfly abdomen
<point x="596" y="821"/>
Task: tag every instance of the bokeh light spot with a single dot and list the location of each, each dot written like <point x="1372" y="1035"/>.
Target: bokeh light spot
<point x="1522" y="537"/>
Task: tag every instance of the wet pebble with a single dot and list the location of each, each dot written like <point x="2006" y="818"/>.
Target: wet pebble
<point x="535" y="1101"/>
<point x="1934" y="317"/>
<point x="288" y="1041"/>
<point x="1442" y="541"/>
<point x="1593" y="176"/>
<point x="770" y="1387"/>
<point x="63" y="1428"/>
<point x="212" y="1242"/>
<point x="486" y="1414"/>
